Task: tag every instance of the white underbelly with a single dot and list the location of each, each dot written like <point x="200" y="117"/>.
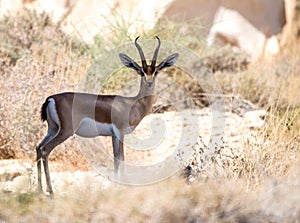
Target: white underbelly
<point x="89" y="128"/>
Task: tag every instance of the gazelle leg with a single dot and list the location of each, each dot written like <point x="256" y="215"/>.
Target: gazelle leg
<point x="118" y="153"/>
<point x="39" y="159"/>
<point x="39" y="170"/>
<point x="48" y="147"/>
<point x="47" y="174"/>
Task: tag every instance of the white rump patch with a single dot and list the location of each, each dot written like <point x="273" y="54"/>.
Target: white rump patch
<point x="89" y="128"/>
<point x="53" y="123"/>
<point x="52" y="113"/>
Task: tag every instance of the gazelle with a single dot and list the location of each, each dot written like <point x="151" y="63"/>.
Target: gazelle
<point x="90" y="115"/>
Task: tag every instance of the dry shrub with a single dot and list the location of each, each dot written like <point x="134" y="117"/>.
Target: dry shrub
<point x="28" y="32"/>
<point x="270" y="84"/>
<point x="269" y="153"/>
<point x="47" y="62"/>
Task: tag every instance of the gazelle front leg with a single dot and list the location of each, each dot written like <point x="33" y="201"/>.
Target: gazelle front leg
<point x="117" y="141"/>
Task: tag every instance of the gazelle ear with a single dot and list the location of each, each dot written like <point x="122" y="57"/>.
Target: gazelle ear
<point x="168" y="62"/>
<point x="128" y="62"/>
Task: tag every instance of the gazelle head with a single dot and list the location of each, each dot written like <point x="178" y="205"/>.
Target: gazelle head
<point x="148" y="72"/>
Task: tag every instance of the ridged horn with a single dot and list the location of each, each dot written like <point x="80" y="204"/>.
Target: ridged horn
<point x="144" y="63"/>
<point x="155" y="54"/>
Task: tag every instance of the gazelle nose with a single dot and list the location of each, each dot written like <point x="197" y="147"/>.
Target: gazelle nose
<point x="149" y="84"/>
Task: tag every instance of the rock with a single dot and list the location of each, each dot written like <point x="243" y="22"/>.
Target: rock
<point x="255" y="119"/>
<point x="231" y="27"/>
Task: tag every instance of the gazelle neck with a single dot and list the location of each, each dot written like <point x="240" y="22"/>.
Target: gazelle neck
<point x="145" y="90"/>
<point x="146" y="94"/>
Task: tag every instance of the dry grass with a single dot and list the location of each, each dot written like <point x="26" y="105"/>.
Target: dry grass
<point x="219" y="199"/>
<point x="260" y="186"/>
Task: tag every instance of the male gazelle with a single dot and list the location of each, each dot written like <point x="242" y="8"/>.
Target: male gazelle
<point x="90" y="115"/>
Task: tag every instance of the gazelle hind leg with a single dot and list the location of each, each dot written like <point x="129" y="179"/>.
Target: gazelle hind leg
<point x="47" y="174"/>
<point x="51" y="133"/>
<point x="60" y="137"/>
<point x="53" y="130"/>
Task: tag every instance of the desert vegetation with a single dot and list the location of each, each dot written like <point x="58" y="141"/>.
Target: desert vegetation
<point x="260" y="185"/>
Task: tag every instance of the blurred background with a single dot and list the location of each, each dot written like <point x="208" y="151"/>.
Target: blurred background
<point x="260" y="27"/>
